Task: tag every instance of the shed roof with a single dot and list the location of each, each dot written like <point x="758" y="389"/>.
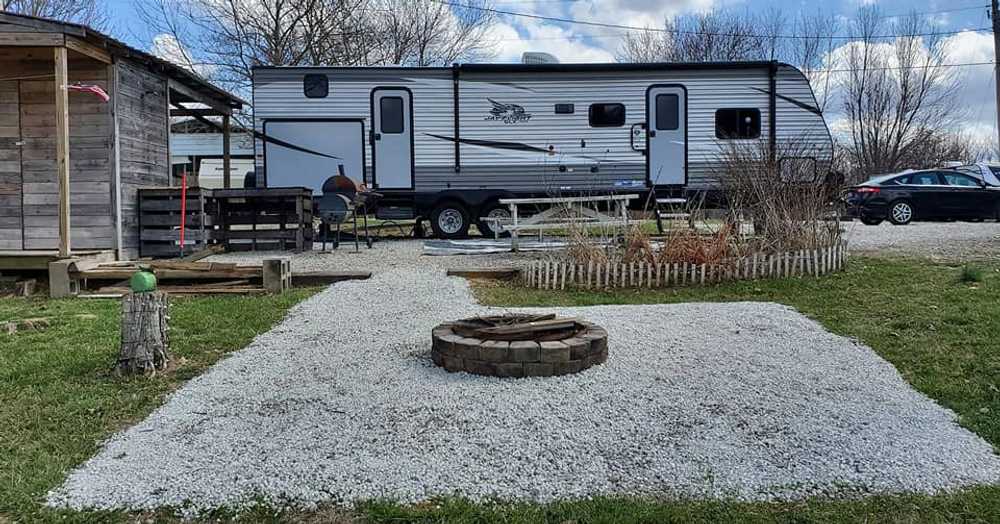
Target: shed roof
<point x="118" y="48"/>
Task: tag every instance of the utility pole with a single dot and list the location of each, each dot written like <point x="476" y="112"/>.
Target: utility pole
<point x="995" y="19"/>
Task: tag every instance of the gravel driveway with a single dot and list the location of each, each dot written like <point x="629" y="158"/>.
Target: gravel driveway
<point x="341" y="403"/>
<point x="945" y="241"/>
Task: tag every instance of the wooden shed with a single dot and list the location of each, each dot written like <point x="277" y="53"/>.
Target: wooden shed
<point x="71" y="162"/>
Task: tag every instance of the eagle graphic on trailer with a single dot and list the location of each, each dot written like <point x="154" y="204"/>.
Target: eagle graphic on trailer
<point x="507" y="113"/>
<point x="446" y="143"/>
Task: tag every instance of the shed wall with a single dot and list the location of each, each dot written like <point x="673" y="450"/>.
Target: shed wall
<point x="143" y="140"/>
<point x="10" y="168"/>
<point x="92" y="226"/>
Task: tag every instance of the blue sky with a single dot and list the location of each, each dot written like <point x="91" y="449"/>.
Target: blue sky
<point x="576" y="43"/>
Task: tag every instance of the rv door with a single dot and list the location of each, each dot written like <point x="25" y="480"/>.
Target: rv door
<point x="392" y="138"/>
<point x="666" y="135"/>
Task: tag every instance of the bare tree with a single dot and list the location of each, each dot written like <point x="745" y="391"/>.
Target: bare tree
<point x="87" y="12"/>
<point x="810" y="52"/>
<point x="230" y="37"/>
<point x="713" y="36"/>
<point x="896" y="92"/>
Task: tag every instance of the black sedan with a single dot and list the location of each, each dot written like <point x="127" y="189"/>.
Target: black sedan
<point x="923" y="195"/>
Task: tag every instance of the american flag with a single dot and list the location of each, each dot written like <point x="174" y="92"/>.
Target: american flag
<point x="96" y="90"/>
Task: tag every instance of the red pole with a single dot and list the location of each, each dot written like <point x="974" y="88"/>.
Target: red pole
<point x="184" y="190"/>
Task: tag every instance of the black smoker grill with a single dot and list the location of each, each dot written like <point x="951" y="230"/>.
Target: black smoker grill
<point x="344" y="199"/>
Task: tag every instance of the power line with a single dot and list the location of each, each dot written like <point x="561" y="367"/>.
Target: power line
<point x="952" y="10"/>
<point x="900" y="68"/>
<point x="681" y="31"/>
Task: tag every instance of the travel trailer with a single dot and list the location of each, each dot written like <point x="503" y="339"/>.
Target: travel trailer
<point x="447" y="142"/>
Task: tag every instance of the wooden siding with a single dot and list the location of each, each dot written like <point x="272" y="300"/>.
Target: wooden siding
<point x="92" y="225"/>
<point x="10" y="168"/>
<point x="144" y="143"/>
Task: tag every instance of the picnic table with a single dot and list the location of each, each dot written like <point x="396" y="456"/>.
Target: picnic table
<point x="562" y="212"/>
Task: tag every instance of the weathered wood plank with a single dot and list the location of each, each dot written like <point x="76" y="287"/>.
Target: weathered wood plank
<point x="31" y="39"/>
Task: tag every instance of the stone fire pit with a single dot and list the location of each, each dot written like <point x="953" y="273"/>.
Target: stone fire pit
<point x="520" y="345"/>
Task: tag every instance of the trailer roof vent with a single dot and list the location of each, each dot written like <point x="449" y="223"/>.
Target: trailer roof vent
<point x="533" y="57"/>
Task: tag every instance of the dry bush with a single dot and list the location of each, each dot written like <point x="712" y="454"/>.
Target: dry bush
<point x="690" y="246"/>
<point x="637" y="246"/>
<point x="785" y="194"/>
<point x="585" y="248"/>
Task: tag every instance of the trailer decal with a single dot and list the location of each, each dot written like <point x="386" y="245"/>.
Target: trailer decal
<point x="507" y="113"/>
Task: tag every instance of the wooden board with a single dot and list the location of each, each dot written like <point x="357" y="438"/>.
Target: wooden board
<point x="11" y="178"/>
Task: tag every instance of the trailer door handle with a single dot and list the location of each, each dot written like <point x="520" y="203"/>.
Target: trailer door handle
<point x="378" y="136"/>
<point x="652" y="133"/>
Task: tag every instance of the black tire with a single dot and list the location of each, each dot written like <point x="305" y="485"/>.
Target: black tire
<point x="901" y="212"/>
<point x="871" y="221"/>
<point x="491" y="209"/>
<point x="450" y="220"/>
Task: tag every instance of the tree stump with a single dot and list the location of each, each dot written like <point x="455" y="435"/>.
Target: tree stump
<point x="144" y="333"/>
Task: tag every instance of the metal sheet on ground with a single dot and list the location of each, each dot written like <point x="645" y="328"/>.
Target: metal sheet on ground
<point x="486" y="246"/>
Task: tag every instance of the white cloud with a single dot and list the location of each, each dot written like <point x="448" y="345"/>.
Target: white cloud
<point x="567" y="46"/>
<point x="577" y="42"/>
<point x="640" y="13"/>
<point x="167" y="47"/>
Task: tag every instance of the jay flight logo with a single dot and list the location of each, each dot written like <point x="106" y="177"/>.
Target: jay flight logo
<point x="507" y="113"/>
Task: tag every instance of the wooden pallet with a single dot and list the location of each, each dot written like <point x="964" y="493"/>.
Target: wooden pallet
<point x="238" y="219"/>
<point x="266" y="219"/>
<point x="160" y="220"/>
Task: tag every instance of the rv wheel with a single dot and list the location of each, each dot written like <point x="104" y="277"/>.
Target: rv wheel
<point x="494" y="210"/>
<point x="450" y="220"/>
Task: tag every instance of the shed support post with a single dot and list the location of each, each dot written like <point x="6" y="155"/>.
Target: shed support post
<point x="226" y="178"/>
<point x="62" y="148"/>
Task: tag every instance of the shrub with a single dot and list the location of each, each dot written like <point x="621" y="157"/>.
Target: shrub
<point x="970" y="274"/>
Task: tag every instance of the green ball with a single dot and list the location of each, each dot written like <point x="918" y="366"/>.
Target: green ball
<point x="143" y="282"/>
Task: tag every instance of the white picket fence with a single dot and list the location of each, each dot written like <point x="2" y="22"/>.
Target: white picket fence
<point x="810" y="262"/>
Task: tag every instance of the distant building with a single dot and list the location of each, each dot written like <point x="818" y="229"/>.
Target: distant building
<point x="196" y="150"/>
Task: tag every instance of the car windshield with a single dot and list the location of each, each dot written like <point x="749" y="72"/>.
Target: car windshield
<point x="993" y="175"/>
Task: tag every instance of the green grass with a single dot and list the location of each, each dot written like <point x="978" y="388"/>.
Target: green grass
<point x="971" y="274"/>
<point x="59" y="399"/>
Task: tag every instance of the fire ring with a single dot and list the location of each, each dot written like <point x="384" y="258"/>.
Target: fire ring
<point x="520" y="345"/>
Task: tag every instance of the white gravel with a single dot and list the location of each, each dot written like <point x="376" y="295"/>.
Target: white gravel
<point x="394" y="254"/>
<point x="946" y="241"/>
<point x="340" y="403"/>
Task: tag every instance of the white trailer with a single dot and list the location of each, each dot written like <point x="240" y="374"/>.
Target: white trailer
<point x="446" y="143"/>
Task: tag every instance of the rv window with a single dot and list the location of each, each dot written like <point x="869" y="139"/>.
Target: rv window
<point x="735" y="124"/>
<point x="391" y="111"/>
<point x="607" y="115"/>
<point x="316" y="86"/>
<point x="667" y="112"/>
<point x="565" y="109"/>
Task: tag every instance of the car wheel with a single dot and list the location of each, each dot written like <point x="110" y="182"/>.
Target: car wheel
<point x="494" y="210"/>
<point x="901" y="213"/>
<point x="450" y="220"/>
<point x="871" y="221"/>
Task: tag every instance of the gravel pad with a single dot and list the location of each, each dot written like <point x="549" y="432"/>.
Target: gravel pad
<point x="341" y="403"/>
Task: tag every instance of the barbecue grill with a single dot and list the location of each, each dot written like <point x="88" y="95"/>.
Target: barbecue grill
<point x="344" y="199"/>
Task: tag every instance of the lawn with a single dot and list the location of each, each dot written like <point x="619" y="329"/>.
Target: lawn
<point x="59" y="399"/>
<point x="936" y="323"/>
